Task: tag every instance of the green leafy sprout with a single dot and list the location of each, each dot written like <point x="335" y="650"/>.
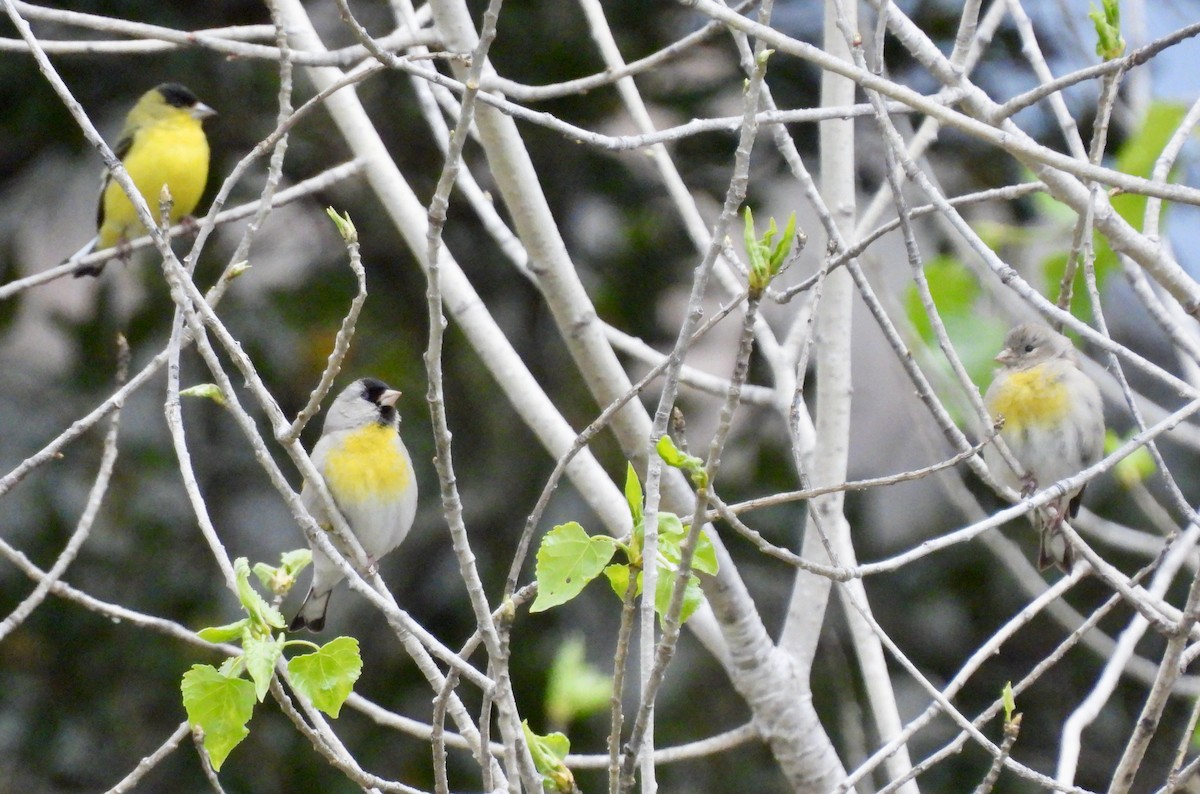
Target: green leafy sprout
<point x="209" y="391"/>
<point x="569" y="558"/>
<point x="767" y="255"/>
<point x="344" y="225"/>
<point x="690" y="465"/>
<point x="220" y="701"/>
<point x="1110" y="44"/>
<point x="549" y="753"/>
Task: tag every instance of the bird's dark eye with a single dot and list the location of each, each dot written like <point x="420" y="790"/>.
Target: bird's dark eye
<point x="373" y="389"/>
<point x="1029" y="348"/>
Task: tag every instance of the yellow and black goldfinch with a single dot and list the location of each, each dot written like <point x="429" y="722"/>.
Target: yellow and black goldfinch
<point x="1053" y="424"/>
<point x="162" y="143"/>
<point x="370" y="476"/>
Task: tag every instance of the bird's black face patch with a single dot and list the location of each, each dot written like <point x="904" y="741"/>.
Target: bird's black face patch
<point x="373" y="390"/>
<point x="177" y="96"/>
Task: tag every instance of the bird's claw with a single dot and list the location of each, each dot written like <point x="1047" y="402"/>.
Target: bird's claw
<point x="1029" y="486"/>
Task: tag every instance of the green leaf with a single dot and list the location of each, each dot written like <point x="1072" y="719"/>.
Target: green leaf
<point x="265" y="573"/>
<point x="218" y="706"/>
<point x="692" y="465"/>
<point x="227" y="633"/>
<point x="693" y="596"/>
<point x="260" y="654"/>
<point x="618" y="577"/>
<point x="1010" y="703"/>
<point x="705" y="557"/>
<point x="209" y="391"/>
<point x="546" y="750"/>
<point x="633" y="493"/>
<point x="1109" y="42"/>
<point x="575" y="688"/>
<point x="327" y="675"/>
<point x="766" y="255"/>
<point x="779" y="253"/>
<point x="671" y="532"/>
<point x="750" y="236"/>
<point x="671" y="535"/>
<point x="295" y="560"/>
<point x="282" y="578"/>
<point x="548" y="753"/>
<point x="566" y="561"/>
<point x="667" y="450"/>
<point x="256" y="607"/>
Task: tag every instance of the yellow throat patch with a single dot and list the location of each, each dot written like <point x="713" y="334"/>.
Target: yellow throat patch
<point x="368" y="466"/>
<point x="1031" y="397"/>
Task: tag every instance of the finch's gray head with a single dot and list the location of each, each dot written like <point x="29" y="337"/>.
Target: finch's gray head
<point x="1030" y="344"/>
<point x="365" y="401"/>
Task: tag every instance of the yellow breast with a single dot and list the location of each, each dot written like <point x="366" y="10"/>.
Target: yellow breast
<point x="369" y="465"/>
<point x="173" y="153"/>
<point x="1032" y="397"/>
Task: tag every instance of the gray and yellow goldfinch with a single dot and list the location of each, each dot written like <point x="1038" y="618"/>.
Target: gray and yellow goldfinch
<point x="162" y="143"/>
<point x="1053" y="424"/>
<point x="370" y="476"/>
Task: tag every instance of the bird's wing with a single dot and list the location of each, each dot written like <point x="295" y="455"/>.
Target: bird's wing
<point x="122" y="147"/>
<point x="308" y="494"/>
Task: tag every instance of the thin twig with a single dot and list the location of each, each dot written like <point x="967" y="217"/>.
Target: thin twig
<point x="147" y="764"/>
<point x="653" y="664"/>
<point x="108" y="460"/>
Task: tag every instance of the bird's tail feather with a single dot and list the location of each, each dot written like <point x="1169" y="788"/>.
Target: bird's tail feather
<point x="1054" y="549"/>
<point x="86" y="270"/>
<point x="312" y="612"/>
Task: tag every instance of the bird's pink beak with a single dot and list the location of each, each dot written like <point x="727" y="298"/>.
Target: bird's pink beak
<point x="389" y="398"/>
<point x="1005" y="356"/>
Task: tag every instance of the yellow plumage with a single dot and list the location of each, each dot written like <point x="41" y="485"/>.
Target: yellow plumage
<point x="1053" y="426"/>
<point x="369" y="473"/>
<point x="369" y="465"/>
<point x="1031" y="397"/>
<point x="161" y="144"/>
